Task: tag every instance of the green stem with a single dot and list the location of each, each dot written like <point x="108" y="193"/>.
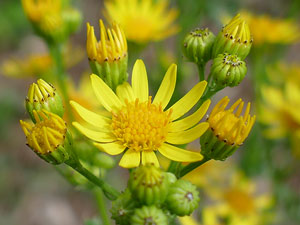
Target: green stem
<point x="173" y="167"/>
<point x="102" y="207"/>
<point x="61" y="76"/>
<point x="201" y="68"/>
<point x="108" y="190"/>
<point x="188" y="168"/>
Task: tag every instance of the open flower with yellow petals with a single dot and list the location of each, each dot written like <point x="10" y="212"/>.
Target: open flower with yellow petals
<point x="142" y="20"/>
<point x="228" y="130"/>
<point x="138" y="125"/>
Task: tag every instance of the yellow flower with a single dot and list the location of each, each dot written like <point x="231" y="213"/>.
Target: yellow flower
<point x="111" y="47"/>
<point x="47" y="134"/>
<point x="187" y="220"/>
<point x="142" y="20"/>
<point x="228" y="126"/>
<point x="141" y="126"/>
<point x="280" y="110"/>
<point x="237" y="203"/>
<point x="266" y="29"/>
<point x="36" y="10"/>
<point x="35" y="65"/>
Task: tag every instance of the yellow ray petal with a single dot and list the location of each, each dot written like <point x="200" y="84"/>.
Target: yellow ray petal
<point x="139" y="81"/>
<point x="179" y="154"/>
<point x="95" y="135"/>
<point x="130" y="159"/>
<point x="188" y="101"/>
<point x="113" y="148"/>
<point x="149" y="157"/>
<point x="90" y="117"/>
<point x="183" y="137"/>
<point x="191" y="120"/>
<point x="124" y="91"/>
<point x="105" y="94"/>
<point x="167" y="87"/>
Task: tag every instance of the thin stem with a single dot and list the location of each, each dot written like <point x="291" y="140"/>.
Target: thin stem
<point x="201" y="68"/>
<point x="173" y="167"/>
<point x="188" y="168"/>
<point x="61" y="76"/>
<point x="102" y="207"/>
<point x="108" y="190"/>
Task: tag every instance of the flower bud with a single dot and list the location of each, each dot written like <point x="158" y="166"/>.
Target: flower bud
<point x="48" y="137"/>
<point x="197" y="45"/>
<point x="149" y="215"/>
<point x="123" y="208"/>
<point x="72" y="18"/>
<point x="227" y="130"/>
<point x="42" y="95"/>
<point x="235" y="39"/>
<point x="108" y="57"/>
<point x="228" y="70"/>
<point x="149" y="184"/>
<point x="183" y="198"/>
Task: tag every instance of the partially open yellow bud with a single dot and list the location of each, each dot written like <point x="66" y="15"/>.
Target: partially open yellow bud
<point x="227" y="130"/>
<point x="47" y="137"/>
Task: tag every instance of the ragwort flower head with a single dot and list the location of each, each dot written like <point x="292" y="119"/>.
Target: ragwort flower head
<point x="140" y="126"/>
<point x="47" y="137"/>
<point x="227" y="130"/>
<point x="142" y="20"/>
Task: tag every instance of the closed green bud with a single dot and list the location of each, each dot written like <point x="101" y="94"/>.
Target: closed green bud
<point x="149" y="215"/>
<point x="123" y="208"/>
<point x="48" y="137"/>
<point x="234" y="38"/>
<point x="72" y="19"/>
<point x="228" y="70"/>
<point x="170" y="177"/>
<point x="183" y="198"/>
<point x="42" y="95"/>
<point x="149" y="184"/>
<point x="197" y="45"/>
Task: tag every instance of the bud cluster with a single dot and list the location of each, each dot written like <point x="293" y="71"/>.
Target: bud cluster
<point x="227" y="50"/>
<point x="154" y="197"/>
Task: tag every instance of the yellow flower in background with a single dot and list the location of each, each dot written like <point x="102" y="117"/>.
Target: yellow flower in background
<point x="187" y="220"/>
<point x="139" y="126"/>
<point x="266" y="29"/>
<point x="237" y="203"/>
<point x="34" y="65"/>
<point x="142" y="20"/>
<point x="40" y="65"/>
<point x="111" y="47"/>
<point x="37" y="9"/>
<point x="280" y="112"/>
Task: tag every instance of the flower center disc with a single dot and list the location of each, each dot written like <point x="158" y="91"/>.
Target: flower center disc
<point x="141" y="126"/>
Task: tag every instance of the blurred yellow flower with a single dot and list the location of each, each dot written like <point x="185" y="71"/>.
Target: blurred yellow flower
<point x="142" y="20"/>
<point x="187" y="220"/>
<point x="280" y="111"/>
<point x="139" y="126"/>
<point x="237" y="203"/>
<point x="266" y="29"/>
<point x="36" y="10"/>
<point x="32" y="66"/>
